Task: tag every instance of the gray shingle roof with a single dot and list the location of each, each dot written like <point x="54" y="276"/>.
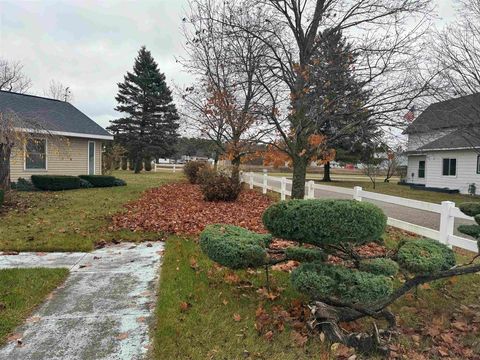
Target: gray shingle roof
<point x="50" y="114"/>
<point x="459" y="139"/>
<point x="453" y="113"/>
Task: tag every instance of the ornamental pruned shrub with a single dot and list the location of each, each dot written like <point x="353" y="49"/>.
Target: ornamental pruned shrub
<point x="379" y="266"/>
<point x="191" y="169"/>
<point x="471" y="209"/>
<point x="234" y="247"/>
<point x="324" y="222"/>
<point x="320" y="280"/>
<point x="425" y="256"/>
<point x="355" y="286"/>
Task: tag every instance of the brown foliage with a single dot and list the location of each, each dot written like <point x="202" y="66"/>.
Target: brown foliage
<point x="180" y="209"/>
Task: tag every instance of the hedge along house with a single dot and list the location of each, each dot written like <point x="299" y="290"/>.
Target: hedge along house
<point x="65" y="142"/>
<point x="444" y="146"/>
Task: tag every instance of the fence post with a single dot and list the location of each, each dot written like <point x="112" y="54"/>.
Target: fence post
<point x="174" y="167"/>
<point x="357" y="193"/>
<point x="447" y="222"/>
<point x="155" y="168"/>
<point x="283" y="188"/>
<point x="251" y="180"/>
<point x="310" y="190"/>
<point x="265" y="182"/>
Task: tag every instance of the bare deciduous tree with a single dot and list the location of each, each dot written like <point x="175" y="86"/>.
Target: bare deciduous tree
<point x="56" y="90"/>
<point x="12" y="77"/>
<point x="383" y="38"/>
<point x="224" y="104"/>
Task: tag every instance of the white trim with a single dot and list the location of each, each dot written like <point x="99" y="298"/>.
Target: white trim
<point x="25" y="158"/>
<point x="70" y="134"/>
<point x="94" y="157"/>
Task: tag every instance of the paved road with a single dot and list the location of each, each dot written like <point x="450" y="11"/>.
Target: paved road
<point x="419" y="217"/>
<point x="101" y="312"/>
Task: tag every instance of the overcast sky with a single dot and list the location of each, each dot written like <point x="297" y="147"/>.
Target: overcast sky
<point x="89" y="45"/>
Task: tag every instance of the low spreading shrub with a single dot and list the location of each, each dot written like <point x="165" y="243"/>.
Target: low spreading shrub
<point x="119" y="182"/>
<point x="380" y="266"/>
<point x="191" y="170"/>
<point x="233" y="246"/>
<point x="99" y="180"/>
<point x="324" y="222"/>
<point x="84" y="184"/>
<point x="220" y="187"/>
<point x="56" y="182"/>
<point x="425" y="256"/>
<point x="470" y="208"/>
<point x="23" y="185"/>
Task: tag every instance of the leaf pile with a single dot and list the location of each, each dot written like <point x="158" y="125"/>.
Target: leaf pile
<point x="179" y="208"/>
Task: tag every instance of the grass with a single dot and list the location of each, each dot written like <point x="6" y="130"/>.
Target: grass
<point x="391" y="188"/>
<point x="74" y="220"/>
<point x="21" y="290"/>
<point x="207" y="328"/>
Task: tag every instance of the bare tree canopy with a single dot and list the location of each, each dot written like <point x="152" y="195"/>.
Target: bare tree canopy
<point x="385" y="35"/>
<point x="56" y="90"/>
<point x="12" y="77"/>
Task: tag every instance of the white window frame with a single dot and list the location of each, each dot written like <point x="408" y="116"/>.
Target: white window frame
<point x="456" y="166"/>
<point x="94" y="157"/>
<point x="25" y="157"/>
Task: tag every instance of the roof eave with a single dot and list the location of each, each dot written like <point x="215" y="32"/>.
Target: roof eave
<point x="68" y="134"/>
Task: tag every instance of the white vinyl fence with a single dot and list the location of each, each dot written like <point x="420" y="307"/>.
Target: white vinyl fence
<point x="168" y="167"/>
<point x="447" y="209"/>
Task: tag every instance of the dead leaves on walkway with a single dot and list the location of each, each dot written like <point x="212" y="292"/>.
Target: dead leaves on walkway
<point x="179" y="208"/>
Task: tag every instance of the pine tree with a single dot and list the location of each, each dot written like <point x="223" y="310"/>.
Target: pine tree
<point x="338" y="100"/>
<point x="149" y="127"/>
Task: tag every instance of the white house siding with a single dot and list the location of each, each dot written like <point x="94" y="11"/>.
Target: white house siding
<point x="412" y="170"/>
<point x="65" y="156"/>
<point x="418" y="140"/>
<point x="466" y="170"/>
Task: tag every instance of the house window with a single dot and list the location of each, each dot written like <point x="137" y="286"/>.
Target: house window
<point x="36" y="154"/>
<point x="421" y="169"/>
<point x="478" y="164"/>
<point x="449" y="167"/>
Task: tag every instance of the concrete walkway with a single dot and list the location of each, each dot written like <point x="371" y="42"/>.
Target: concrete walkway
<point x="102" y="311"/>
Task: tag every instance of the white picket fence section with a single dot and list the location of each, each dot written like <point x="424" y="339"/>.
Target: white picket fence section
<point x="447" y="209"/>
<point x="168" y="167"/>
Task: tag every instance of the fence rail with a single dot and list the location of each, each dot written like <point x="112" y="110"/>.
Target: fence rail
<point x="168" y="167"/>
<point x="447" y="209"/>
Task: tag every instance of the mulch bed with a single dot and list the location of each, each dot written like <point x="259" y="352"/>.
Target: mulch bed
<point x="179" y="208"/>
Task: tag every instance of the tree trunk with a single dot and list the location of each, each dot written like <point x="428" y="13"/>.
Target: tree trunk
<point x="326" y="172"/>
<point x="299" y="174"/>
<point x="138" y="164"/>
<point x="5" y="152"/>
<point x="215" y="161"/>
<point x="236" y="170"/>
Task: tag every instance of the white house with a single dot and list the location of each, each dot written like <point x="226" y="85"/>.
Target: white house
<point x="444" y="145"/>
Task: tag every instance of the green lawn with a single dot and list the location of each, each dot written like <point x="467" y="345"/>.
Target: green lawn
<point x="74" y="220"/>
<point x="21" y="290"/>
<point x="196" y="309"/>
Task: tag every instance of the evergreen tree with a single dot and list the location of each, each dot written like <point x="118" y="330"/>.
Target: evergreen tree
<point x="338" y="100"/>
<point x="149" y="127"/>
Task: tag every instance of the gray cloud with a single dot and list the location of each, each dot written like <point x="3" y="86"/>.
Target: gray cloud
<point x="89" y="45"/>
